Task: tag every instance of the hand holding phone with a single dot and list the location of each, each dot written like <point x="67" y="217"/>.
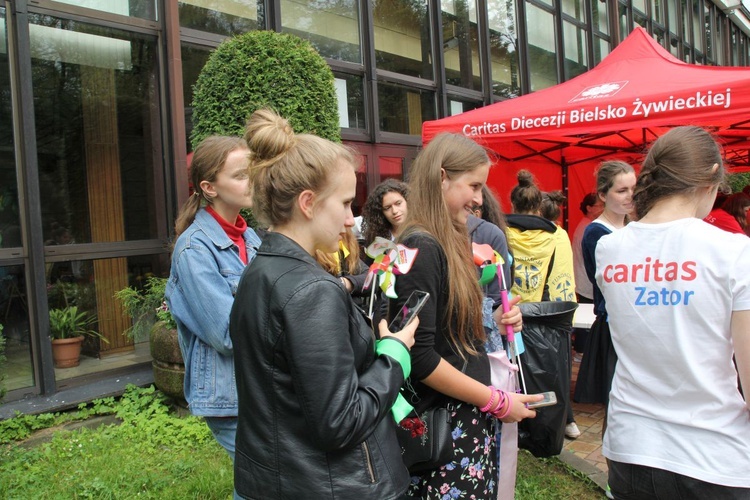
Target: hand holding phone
<point x="409" y="310"/>
<point x="550" y="399"/>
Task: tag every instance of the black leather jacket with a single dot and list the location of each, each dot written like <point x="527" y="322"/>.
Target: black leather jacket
<point x="314" y="400"/>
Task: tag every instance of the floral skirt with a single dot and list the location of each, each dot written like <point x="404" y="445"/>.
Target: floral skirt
<point x="473" y="471"/>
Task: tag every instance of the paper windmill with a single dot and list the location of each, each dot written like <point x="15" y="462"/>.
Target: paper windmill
<point x="488" y="261"/>
<point x="390" y="260"/>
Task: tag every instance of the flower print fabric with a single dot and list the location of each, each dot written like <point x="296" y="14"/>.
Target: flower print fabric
<point x="472" y="472"/>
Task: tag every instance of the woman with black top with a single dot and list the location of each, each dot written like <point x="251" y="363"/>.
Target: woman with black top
<point x="449" y="363"/>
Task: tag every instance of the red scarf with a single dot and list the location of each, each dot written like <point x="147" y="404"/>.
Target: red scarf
<point x="234" y="232"/>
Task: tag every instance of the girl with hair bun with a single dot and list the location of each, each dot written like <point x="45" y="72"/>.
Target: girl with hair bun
<point x="678" y="296"/>
<point x="450" y="364"/>
<point x="212" y="248"/>
<point x="316" y="390"/>
<point x="539" y="274"/>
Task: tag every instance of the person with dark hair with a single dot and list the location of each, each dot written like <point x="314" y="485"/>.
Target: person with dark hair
<point x="450" y="364"/>
<point x="316" y="390"/>
<point x="212" y="248"/>
<point x="722" y="218"/>
<point x="591" y="206"/>
<point x="737" y="205"/>
<point x="551" y="209"/>
<point x="539" y="274"/>
<point x="678" y="297"/>
<point x="385" y="211"/>
<point x="487" y="225"/>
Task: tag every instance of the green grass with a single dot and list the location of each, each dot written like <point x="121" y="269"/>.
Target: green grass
<point x="153" y="453"/>
<point x="549" y="478"/>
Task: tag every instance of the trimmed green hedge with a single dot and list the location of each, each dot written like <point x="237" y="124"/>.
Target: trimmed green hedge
<point x="265" y="68"/>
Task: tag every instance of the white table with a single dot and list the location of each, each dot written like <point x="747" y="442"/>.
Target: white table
<point x="584" y="316"/>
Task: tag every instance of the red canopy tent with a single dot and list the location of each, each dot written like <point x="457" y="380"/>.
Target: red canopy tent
<point x="614" y="110"/>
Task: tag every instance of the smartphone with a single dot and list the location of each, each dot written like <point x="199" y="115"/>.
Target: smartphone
<point x="550" y="398"/>
<point x="409" y="310"/>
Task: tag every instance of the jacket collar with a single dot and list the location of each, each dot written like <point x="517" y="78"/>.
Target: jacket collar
<point x="280" y="245"/>
<point x="217" y="235"/>
<point x="526" y="222"/>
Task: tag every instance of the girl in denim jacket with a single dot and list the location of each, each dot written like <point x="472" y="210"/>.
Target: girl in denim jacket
<point x="212" y="249"/>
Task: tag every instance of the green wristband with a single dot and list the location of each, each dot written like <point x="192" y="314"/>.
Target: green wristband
<point x="396" y="350"/>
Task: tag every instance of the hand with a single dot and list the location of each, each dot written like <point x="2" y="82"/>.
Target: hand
<point x="518" y="410"/>
<point x="406" y="335"/>
<point x="512" y="317"/>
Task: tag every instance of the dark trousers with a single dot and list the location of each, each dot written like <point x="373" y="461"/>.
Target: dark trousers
<point x="638" y="482"/>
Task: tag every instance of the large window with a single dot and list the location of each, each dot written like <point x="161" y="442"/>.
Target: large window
<point x="461" y="44"/>
<point x="332" y="26"/>
<point x="542" y="59"/>
<point x="98" y="131"/>
<point x="403" y="109"/>
<point x="402" y="37"/>
<point x="222" y="17"/>
<point x="144" y="9"/>
<point x="350" y="94"/>
<point x="501" y="20"/>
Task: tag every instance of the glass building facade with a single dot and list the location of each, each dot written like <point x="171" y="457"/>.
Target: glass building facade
<point x="95" y="112"/>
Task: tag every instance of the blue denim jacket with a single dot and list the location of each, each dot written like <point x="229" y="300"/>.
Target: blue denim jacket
<point x="206" y="268"/>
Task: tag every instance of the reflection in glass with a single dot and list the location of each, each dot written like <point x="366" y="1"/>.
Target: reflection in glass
<point x="697" y="28"/>
<point x="461" y="44"/>
<point x="144" y="9"/>
<point x="503" y="48"/>
<point x="223" y="17"/>
<point x="14" y="316"/>
<point x="402" y="110"/>
<point x="707" y="27"/>
<point x="402" y="37"/>
<point x="574" y="8"/>
<point x="351" y="99"/>
<point x="456" y="107"/>
<point x="331" y="26"/>
<point x="194" y="57"/>
<point x="10" y="228"/>
<point x="98" y="129"/>
<point x="639" y="5"/>
<point x="601" y="16"/>
<point x="657" y="11"/>
<point x="624" y="25"/>
<point x="542" y="65"/>
<point x="672" y="8"/>
<point x="574" y="41"/>
<point x="89" y="285"/>
<point x="391" y="167"/>
<point x="601" y="50"/>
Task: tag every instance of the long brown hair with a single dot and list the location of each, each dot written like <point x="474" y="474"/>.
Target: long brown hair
<point x="208" y="160"/>
<point x="456" y="155"/>
<point x="678" y="162"/>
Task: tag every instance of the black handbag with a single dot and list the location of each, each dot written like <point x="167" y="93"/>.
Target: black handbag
<point x="430" y="444"/>
<point x="429" y="447"/>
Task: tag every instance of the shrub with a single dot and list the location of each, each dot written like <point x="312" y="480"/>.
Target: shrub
<point x="265" y="69"/>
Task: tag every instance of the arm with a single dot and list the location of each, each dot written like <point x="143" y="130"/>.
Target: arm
<point x="741" y="341"/>
<point x="427" y="364"/>
<point x="341" y="407"/>
<point x="206" y="297"/>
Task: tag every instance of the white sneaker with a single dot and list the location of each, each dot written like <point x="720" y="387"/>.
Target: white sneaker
<point x="572" y="431"/>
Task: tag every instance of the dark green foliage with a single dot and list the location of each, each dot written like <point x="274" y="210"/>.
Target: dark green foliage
<point x="265" y="69"/>
<point x="738" y="181"/>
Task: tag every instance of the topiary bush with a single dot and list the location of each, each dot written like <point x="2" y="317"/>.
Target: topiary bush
<point x="259" y="69"/>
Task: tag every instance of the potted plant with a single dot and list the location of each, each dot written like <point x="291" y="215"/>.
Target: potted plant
<point x="151" y="316"/>
<point x="68" y="327"/>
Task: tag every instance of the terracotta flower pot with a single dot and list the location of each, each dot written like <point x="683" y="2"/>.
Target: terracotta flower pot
<point x="67" y="352"/>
